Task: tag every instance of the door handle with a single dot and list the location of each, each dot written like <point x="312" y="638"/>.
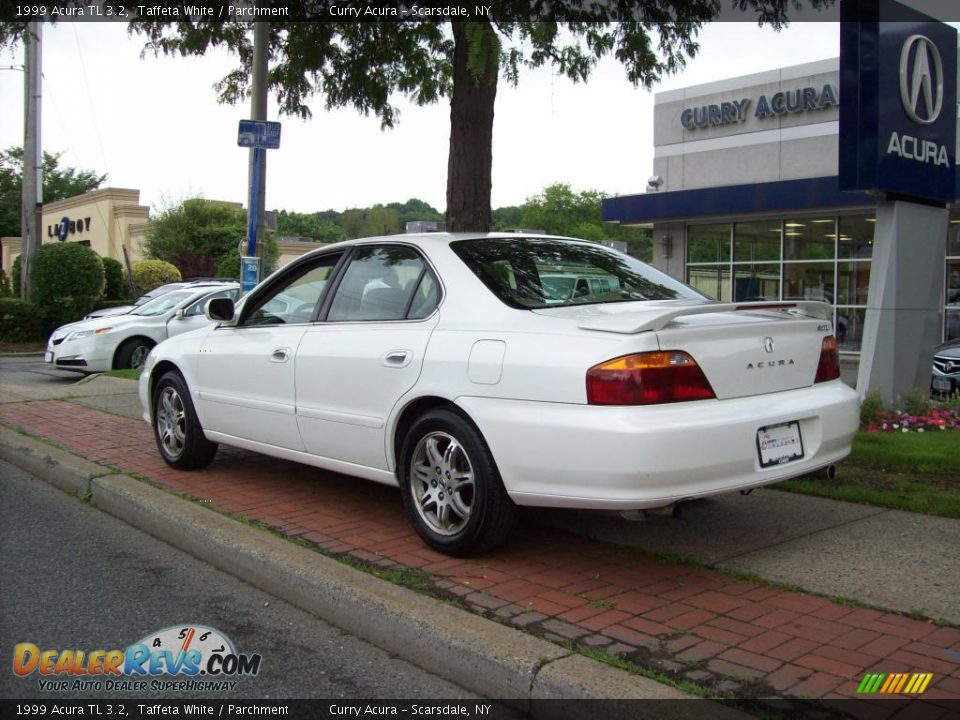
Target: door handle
<point x="280" y="355"/>
<point x="397" y="358"/>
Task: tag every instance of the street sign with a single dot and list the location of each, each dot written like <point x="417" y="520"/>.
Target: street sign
<point x="259" y="134"/>
<point x="249" y="273"/>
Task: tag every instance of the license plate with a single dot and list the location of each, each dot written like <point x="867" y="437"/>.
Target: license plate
<point x="778" y="444"/>
<point x="48" y="357"/>
<point x="942" y="384"/>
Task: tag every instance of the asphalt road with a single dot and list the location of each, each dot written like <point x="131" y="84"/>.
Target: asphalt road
<point x="72" y="577"/>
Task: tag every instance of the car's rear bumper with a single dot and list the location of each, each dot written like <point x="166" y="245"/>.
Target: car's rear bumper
<point x="563" y="455"/>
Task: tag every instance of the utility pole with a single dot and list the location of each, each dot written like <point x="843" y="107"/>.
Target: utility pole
<point x="258" y="111"/>
<point x="32" y="192"/>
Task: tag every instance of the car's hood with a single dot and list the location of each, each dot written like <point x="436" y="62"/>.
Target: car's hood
<point x="106" y="322"/>
<point x="110" y="312"/>
<point x="950" y="351"/>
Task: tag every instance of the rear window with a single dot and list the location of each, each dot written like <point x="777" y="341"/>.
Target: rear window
<point x="533" y="273"/>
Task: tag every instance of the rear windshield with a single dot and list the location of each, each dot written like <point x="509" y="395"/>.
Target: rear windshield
<point x="534" y="273"/>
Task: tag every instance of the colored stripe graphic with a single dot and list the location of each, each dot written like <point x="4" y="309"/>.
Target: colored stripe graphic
<point x="906" y="683"/>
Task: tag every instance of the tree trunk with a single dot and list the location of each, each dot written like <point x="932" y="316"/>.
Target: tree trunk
<point x="471" y="130"/>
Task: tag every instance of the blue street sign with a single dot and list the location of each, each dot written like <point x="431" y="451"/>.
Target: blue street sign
<point x="259" y="134"/>
<point x="249" y="273"/>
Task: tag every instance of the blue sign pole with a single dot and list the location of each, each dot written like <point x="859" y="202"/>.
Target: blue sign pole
<point x="254" y="209"/>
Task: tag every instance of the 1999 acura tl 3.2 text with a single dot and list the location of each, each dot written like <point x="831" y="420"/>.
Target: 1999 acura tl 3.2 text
<point x="464" y="369"/>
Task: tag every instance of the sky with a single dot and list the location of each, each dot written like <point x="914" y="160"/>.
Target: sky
<point x="154" y="123"/>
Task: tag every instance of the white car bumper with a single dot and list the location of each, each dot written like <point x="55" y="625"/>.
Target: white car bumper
<point x="582" y="456"/>
<point x="87" y="354"/>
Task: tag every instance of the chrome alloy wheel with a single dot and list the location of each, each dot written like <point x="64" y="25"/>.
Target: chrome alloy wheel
<point x="139" y="356"/>
<point x="171" y="422"/>
<point x="442" y="483"/>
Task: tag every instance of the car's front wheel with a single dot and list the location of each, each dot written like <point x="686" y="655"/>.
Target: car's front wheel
<point x="451" y="487"/>
<point x="177" y="430"/>
<point x="132" y="354"/>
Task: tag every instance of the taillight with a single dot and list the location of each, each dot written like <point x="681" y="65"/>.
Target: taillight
<point x="648" y="378"/>
<point x="829" y="366"/>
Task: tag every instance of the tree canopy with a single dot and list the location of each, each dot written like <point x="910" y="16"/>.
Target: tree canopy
<point x="201" y="238"/>
<point x="58" y="183"/>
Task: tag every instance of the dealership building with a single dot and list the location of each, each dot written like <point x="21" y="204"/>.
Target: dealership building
<point x="745" y="200"/>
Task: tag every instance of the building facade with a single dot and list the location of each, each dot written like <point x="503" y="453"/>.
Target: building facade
<point x="105" y="220"/>
<point x="745" y="204"/>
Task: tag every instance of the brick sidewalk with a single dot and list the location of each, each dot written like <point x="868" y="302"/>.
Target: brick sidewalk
<point x="733" y="636"/>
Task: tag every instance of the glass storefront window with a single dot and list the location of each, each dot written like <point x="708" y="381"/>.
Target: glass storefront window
<point x="853" y="279"/>
<point x="848" y="328"/>
<point x="809" y="239"/>
<point x="708" y="243"/>
<point x="856" y="237"/>
<point x="808" y="281"/>
<point x="712" y="281"/>
<point x="756" y="242"/>
<point x="953" y="238"/>
<point x="756" y="282"/>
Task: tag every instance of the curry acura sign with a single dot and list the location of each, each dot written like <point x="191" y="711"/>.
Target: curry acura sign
<point x="899" y="119"/>
<point x="67" y="227"/>
<point x="788" y="102"/>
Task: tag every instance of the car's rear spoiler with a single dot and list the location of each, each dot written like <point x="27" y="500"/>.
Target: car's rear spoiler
<point x="658" y="318"/>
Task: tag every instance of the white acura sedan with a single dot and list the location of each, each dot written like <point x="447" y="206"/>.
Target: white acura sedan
<point x="446" y="365"/>
<point x="123" y="341"/>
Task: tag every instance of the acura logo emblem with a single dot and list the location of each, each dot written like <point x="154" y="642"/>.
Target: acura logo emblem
<point x="923" y="81"/>
<point x="768" y="344"/>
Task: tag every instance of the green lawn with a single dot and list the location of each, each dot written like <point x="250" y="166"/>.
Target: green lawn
<point x="919" y="472"/>
<point x="129" y="374"/>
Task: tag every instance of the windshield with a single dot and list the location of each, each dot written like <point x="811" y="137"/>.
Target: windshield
<point x="534" y="273"/>
<point x="163" y="304"/>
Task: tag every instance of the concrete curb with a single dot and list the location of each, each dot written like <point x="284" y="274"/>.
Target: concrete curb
<point x="483" y="656"/>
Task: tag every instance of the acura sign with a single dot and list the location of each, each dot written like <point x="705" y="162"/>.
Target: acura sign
<point x="926" y="77"/>
<point x="898" y="75"/>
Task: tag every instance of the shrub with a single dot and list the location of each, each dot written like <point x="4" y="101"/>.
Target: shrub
<point x="15" y="276"/>
<point x="5" y="290"/>
<point x="114" y="288"/>
<point x="66" y="279"/>
<point x="148" y="274"/>
<point x="19" y="321"/>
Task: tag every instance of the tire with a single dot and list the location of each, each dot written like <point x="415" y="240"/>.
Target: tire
<point x="131" y="354"/>
<point x="477" y="514"/>
<point x="176" y="429"/>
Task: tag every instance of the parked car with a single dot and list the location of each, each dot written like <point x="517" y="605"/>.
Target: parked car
<point x="946" y="369"/>
<point x="150" y="295"/>
<point x="123" y="341"/>
<point x="439" y="363"/>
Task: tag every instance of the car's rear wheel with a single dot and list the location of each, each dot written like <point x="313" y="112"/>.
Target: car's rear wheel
<point x="451" y="487"/>
<point x="132" y="354"/>
<point x="177" y="430"/>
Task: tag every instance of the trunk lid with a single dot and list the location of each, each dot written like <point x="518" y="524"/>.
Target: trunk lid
<point x="743" y="348"/>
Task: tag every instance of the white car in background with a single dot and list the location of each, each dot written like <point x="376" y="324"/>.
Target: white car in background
<point x="123" y="341"/>
<point x="443" y="363"/>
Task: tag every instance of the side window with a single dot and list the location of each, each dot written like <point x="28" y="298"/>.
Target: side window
<point x="379" y="284"/>
<point x="200" y="305"/>
<point x="425" y="299"/>
<point x="292" y="301"/>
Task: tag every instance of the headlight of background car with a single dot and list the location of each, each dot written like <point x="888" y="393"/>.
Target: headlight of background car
<point x="77" y="334"/>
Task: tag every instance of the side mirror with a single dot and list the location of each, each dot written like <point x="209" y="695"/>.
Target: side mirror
<point x="179" y="314"/>
<point x="219" y="310"/>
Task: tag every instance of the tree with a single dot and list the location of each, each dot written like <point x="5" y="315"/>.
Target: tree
<point x="198" y="235"/>
<point x="558" y="210"/>
<point x="58" y="183"/>
<point x="309" y="225"/>
<point x="361" y="64"/>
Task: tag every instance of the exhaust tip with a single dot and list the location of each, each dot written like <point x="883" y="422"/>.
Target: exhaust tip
<point x="830" y="472"/>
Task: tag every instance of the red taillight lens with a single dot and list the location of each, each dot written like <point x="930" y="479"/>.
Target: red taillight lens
<point x="647" y="379"/>
<point x="829" y="366"/>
